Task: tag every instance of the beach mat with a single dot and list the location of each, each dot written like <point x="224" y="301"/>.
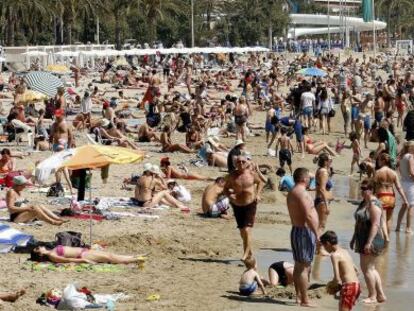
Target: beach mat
<point x="47" y="266"/>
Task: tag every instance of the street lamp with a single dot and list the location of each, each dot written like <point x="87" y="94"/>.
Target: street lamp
<point x="192" y="23"/>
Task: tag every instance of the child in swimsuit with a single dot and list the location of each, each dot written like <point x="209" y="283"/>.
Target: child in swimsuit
<point x="345" y="275"/>
<point x="356" y="149"/>
<point x="250" y="279"/>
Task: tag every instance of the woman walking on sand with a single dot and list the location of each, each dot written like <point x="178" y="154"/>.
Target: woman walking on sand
<point x="368" y="240"/>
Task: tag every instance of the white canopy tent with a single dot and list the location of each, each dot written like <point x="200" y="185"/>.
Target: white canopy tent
<point x="37" y="54"/>
<point x="84" y="56"/>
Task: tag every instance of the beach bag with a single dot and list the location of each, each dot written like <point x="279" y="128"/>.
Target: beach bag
<point x="56" y="190"/>
<point x="331" y="113"/>
<point x="69" y="238"/>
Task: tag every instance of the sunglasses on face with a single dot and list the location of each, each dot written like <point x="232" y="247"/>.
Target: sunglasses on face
<point x="364" y="188"/>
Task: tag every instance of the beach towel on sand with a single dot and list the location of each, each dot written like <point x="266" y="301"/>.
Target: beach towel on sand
<point x="10" y="238"/>
<point x="47" y="266"/>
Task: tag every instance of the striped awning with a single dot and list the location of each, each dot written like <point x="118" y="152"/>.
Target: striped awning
<point x="43" y="82"/>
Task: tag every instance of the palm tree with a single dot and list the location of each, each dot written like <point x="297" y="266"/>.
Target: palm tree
<point x="393" y="9"/>
<point x="155" y="10"/>
<point x="16" y="12"/>
<point x="119" y="10"/>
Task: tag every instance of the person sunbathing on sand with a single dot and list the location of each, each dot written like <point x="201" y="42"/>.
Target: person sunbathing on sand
<point x="68" y="254"/>
<point x="12" y="296"/>
<point x="316" y="147"/>
<point x="20" y="212"/>
<point x="172" y="172"/>
<point x="168" y="146"/>
<point x="146" y="134"/>
<point x="145" y="195"/>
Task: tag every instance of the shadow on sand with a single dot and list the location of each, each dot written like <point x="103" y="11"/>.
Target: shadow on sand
<point x="282" y="250"/>
<point x="256" y="299"/>
<point x="212" y="260"/>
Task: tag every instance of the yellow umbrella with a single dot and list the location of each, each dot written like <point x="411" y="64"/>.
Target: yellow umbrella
<point x="58" y="68"/>
<point x="97" y="156"/>
<point x="32" y="96"/>
<point x="121" y="62"/>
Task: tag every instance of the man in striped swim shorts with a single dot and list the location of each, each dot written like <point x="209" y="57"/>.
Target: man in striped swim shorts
<point x="304" y="233"/>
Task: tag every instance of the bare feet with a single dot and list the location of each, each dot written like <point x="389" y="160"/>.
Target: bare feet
<point x="409" y="231"/>
<point x="370" y="301"/>
<point x="12" y="297"/>
<point x="308" y="305"/>
<point x="381" y="299"/>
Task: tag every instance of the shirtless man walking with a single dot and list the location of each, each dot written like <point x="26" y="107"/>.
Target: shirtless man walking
<point x="241" y="114"/>
<point x="243" y="187"/>
<point x="304" y="233"/>
<point x="286" y="149"/>
<point x="61" y="133"/>
<point x="367" y="110"/>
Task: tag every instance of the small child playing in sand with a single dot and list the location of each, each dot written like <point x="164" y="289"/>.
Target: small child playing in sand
<point x="250" y="279"/>
<point x="345" y="273"/>
<point x="356" y="149"/>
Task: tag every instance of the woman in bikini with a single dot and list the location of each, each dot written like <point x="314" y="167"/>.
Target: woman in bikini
<point x="385" y="180"/>
<point x="145" y="190"/>
<point x="172" y="172"/>
<point x="168" y="146"/>
<point x="280" y="273"/>
<point x="7" y="163"/>
<point x="316" y="147"/>
<point x="146" y="134"/>
<point x="401" y="103"/>
<point x="193" y="138"/>
<point x="323" y="193"/>
<point x="67" y="254"/>
<point x="20" y="212"/>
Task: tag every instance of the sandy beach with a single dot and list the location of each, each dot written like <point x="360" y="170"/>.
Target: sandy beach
<point x="194" y="262"/>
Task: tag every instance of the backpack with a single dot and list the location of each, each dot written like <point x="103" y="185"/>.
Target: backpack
<point x="69" y="238"/>
<point x="56" y="190"/>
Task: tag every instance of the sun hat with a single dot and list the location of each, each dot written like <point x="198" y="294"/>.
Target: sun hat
<point x="239" y="142"/>
<point x="147" y="167"/>
<point x="105" y="122"/>
<point x="21" y="181"/>
<point x="155" y="170"/>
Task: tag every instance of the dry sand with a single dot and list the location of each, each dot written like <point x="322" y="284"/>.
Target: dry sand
<point x="193" y="262"/>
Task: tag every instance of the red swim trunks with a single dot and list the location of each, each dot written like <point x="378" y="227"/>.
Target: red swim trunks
<point x="349" y="294"/>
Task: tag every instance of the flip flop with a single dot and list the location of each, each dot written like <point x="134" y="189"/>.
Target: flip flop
<point x="153" y="297"/>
